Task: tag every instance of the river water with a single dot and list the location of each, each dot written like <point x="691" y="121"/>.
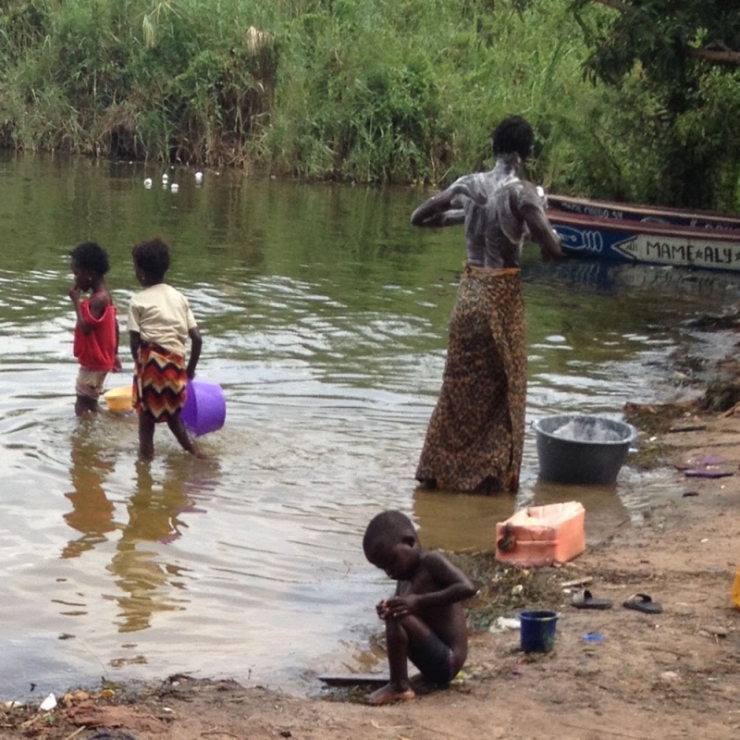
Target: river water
<point x="324" y="319"/>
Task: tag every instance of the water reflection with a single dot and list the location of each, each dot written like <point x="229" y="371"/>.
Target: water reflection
<point x="147" y="578"/>
<point x="153" y="513"/>
<point x="92" y="512"/>
<point x="459" y="521"/>
<point x="157" y="514"/>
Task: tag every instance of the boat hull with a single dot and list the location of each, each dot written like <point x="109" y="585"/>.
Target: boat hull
<point x="625" y="240"/>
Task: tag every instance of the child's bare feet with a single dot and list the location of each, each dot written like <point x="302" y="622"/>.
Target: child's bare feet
<point x="388" y="695"/>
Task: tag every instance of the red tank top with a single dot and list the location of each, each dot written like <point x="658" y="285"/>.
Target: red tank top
<point x="97" y="350"/>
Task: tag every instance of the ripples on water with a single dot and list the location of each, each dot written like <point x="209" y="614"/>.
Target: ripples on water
<point x="324" y="318"/>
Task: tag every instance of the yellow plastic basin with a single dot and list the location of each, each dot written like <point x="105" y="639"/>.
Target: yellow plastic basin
<point x="119" y="399"/>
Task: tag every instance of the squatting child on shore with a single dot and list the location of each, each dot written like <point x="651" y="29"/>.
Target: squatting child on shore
<point x="424" y="620"/>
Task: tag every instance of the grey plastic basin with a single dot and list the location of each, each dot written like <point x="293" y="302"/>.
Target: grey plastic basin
<point x="582" y="449"/>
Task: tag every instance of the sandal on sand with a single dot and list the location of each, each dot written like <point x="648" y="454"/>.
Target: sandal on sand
<point x="643" y="603"/>
<point x="584" y="600"/>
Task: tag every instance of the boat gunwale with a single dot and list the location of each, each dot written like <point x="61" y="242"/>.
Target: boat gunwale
<point x="709" y="216"/>
<point x="585" y="220"/>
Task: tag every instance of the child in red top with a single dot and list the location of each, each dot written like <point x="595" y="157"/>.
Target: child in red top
<point x="96" y="330"/>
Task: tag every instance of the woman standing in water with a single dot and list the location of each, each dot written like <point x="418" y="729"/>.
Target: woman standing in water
<point x="476" y="434"/>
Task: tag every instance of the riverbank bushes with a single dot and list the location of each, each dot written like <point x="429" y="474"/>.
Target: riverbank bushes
<point x="353" y="90"/>
<point x="361" y="90"/>
<point x="171" y="81"/>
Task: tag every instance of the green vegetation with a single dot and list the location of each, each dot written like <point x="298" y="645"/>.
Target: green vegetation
<point x="383" y="91"/>
<point x="674" y="66"/>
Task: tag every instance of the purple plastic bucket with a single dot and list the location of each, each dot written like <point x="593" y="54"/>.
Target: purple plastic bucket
<point x="205" y="407"/>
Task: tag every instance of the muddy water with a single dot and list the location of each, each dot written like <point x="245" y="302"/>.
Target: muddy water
<point x="324" y="318"/>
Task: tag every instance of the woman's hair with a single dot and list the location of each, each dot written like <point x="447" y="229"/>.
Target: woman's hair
<point x="91" y="256"/>
<point x="152" y="257"/>
<point x="391" y="526"/>
<point x="513" y="134"/>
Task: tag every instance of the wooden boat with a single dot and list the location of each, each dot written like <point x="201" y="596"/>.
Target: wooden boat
<point x="633" y="233"/>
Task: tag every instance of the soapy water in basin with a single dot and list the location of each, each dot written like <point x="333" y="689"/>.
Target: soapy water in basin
<point x="595" y="431"/>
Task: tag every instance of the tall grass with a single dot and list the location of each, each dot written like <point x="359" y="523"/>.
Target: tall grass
<point x="410" y="91"/>
<point x="175" y="80"/>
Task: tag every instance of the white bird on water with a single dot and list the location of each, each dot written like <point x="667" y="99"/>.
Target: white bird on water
<point x="148" y="183"/>
<point x="174" y="187"/>
<point x="198" y="178"/>
<point x="165" y="178"/>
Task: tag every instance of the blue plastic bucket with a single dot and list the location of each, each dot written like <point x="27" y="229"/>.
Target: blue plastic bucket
<point x="205" y="407"/>
<point x="538" y="631"/>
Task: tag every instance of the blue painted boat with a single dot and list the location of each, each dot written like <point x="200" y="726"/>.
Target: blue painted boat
<point x="639" y="234"/>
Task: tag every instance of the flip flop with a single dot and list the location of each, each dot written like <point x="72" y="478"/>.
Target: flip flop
<point x="707" y="473"/>
<point x="643" y="603"/>
<point x="584" y="600"/>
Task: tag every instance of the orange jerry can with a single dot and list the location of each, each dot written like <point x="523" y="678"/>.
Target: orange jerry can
<point x="542" y="535"/>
